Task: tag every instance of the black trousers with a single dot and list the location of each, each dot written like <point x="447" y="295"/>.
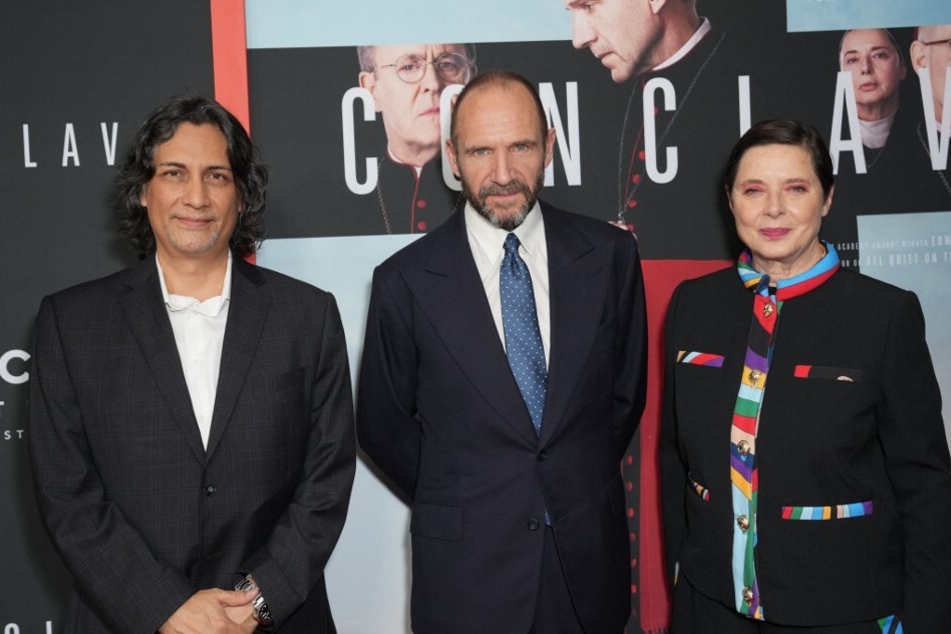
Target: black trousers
<point x="695" y="613"/>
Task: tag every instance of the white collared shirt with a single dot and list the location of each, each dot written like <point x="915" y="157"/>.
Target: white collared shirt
<point x="399" y="161"/>
<point x="687" y="47"/>
<point x="487" y="245"/>
<point x="199" y="329"/>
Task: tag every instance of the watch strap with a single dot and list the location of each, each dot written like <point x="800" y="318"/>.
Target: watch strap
<point x="259" y="609"/>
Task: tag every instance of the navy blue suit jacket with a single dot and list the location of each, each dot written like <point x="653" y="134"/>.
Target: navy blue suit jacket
<point x="441" y="415"/>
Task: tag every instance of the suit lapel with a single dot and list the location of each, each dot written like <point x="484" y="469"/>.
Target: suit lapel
<point x="147" y="318"/>
<point x="578" y="273"/>
<point x="247" y="313"/>
<point x="451" y="294"/>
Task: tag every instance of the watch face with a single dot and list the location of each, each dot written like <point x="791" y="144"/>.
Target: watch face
<point x="260" y="611"/>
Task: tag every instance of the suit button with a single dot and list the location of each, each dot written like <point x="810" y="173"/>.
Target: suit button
<point x="210" y="490"/>
<point x="542" y="455"/>
<point x="743" y="447"/>
<point x="533" y="524"/>
<point x="743" y="522"/>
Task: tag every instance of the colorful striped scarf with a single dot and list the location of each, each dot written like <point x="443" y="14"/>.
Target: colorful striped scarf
<point x="767" y="306"/>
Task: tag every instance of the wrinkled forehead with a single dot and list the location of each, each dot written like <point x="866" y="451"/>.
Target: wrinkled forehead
<point x="387" y="54"/>
<point x="934" y="32"/>
<point x="939" y="55"/>
<point x="501" y="105"/>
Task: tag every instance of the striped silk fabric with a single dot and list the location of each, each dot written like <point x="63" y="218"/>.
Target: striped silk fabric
<point x="767" y="306"/>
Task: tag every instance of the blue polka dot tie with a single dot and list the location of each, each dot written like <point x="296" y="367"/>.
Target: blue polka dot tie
<point x="523" y="340"/>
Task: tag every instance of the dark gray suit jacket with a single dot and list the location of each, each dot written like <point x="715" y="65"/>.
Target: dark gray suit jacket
<point x="440" y="413"/>
<point x="141" y="513"/>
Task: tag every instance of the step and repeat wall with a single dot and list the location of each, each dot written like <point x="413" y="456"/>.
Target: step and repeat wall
<point x="644" y="150"/>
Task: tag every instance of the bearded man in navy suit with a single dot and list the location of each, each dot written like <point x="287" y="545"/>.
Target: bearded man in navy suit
<point x="518" y="521"/>
<point x="191" y="417"/>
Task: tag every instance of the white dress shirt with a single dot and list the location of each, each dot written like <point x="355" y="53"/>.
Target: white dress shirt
<point x="486" y="242"/>
<point x="688" y="45"/>
<point x="199" y="329"/>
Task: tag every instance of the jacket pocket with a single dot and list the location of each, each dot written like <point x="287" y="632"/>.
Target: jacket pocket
<point x="849" y="375"/>
<point x="269" y="385"/>
<point x="700" y="358"/>
<point x="837" y="512"/>
<point x="438" y="521"/>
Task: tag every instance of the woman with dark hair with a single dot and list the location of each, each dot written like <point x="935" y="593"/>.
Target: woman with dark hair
<point x="806" y="478"/>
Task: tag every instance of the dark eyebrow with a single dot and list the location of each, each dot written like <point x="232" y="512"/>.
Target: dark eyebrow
<point x="182" y="166"/>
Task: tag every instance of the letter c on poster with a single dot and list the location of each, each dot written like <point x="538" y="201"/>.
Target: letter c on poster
<point x="650" y="130"/>
<point x="349" y="142"/>
<point x="5" y="374"/>
<point x="446" y="104"/>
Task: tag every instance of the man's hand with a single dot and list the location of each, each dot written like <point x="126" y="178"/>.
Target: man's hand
<point x="213" y="611"/>
<point x="242" y="614"/>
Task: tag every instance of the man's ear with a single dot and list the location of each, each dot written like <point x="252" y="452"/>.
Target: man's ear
<point x="453" y="160"/>
<point x="549" y="146"/>
<point x="368" y="81"/>
<point x="919" y="55"/>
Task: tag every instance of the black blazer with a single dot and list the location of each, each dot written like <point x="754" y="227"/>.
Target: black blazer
<point x="141" y="513"/>
<point x="441" y="415"/>
<point x="877" y="436"/>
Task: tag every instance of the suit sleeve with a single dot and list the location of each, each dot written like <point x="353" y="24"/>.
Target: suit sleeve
<point x="916" y="453"/>
<point x="672" y="469"/>
<point x="386" y="398"/>
<point x="293" y="560"/>
<point x="630" y="390"/>
<point x="116" y="572"/>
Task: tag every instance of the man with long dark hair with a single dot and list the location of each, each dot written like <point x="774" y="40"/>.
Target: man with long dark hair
<point x="191" y="417"/>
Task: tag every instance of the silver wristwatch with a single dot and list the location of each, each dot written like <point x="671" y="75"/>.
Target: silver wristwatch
<point x="259" y="609"/>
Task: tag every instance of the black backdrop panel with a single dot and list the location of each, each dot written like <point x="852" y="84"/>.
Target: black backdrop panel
<point x="66" y="68"/>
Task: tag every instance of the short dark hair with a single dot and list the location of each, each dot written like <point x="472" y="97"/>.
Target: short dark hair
<point x="250" y="173"/>
<point x="784" y="132"/>
<point x="498" y="78"/>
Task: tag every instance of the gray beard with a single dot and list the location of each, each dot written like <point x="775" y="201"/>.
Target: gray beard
<point x="507" y="224"/>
